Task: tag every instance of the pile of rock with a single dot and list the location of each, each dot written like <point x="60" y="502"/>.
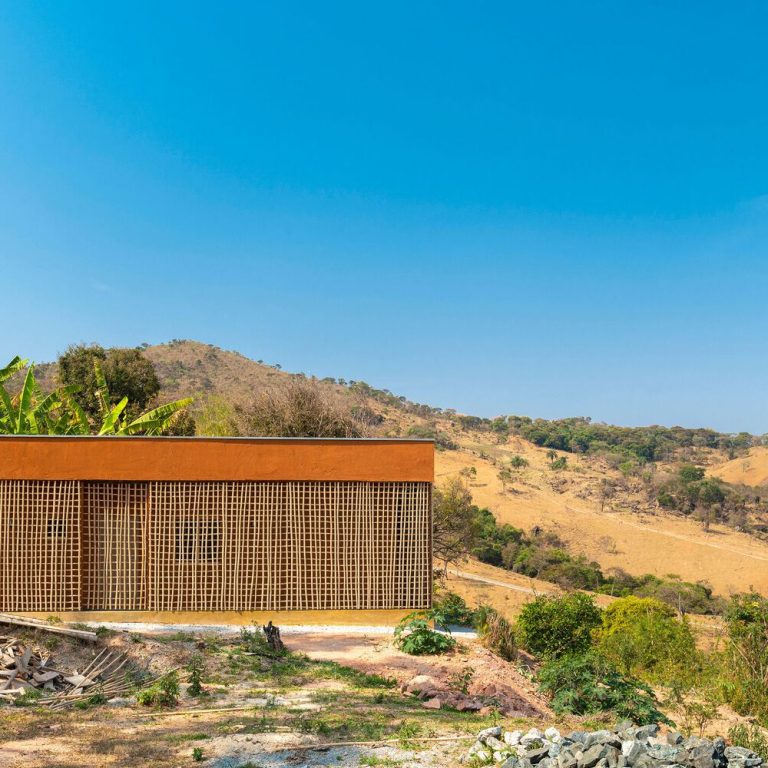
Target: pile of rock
<point x="627" y="746"/>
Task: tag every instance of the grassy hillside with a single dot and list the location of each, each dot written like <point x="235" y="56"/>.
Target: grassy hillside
<point x="750" y="469"/>
<point x="603" y="505"/>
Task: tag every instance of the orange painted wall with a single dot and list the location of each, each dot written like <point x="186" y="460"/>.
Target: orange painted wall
<point x="164" y="458"/>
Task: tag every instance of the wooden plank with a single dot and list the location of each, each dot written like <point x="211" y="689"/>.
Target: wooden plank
<point x="6" y="618"/>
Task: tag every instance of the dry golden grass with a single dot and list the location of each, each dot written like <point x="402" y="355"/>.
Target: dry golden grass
<point x="616" y="537"/>
<point x="745" y="470"/>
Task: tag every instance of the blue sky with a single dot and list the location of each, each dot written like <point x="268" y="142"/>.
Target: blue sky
<point x="549" y="209"/>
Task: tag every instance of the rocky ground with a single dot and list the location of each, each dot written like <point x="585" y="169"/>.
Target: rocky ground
<point x="626" y="746"/>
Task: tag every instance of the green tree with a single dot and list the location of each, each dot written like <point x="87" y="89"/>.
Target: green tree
<point x="690" y="474"/>
<point x="505" y="476"/>
<point x="746" y="655"/>
<point x="128" y="374"/>
<point x="58" y="413"/>
<point x="453" y="522"/>
<point x="30" y="412"/>
<point x="518" y="462"/>
<point x="116" y="421"/>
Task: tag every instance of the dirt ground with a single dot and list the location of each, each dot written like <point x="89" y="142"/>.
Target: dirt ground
<point x="332" y="690"/>
<point x="335" y="699"/>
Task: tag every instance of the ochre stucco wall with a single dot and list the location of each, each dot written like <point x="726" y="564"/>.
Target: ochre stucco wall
<point x="140" y="458"/>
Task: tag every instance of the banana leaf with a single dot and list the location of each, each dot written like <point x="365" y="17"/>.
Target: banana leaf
<point x="154" y="421"/>
<point x="111" y="423"/>
<point x="15" y="365"/>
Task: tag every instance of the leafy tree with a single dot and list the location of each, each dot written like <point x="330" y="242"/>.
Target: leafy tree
<point x="518" y="462"/>
<point x="30" y="412"/>
<point x="453" y="522"/>
<point x="128" y="374"/>
<point x="505" y="476"/>
<point x="710" y="493"/>
<point x="552" y="627"/>
<point x="690" y="474"/>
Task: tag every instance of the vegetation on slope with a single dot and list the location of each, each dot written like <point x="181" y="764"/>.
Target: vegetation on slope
<point x="31" y="412"/>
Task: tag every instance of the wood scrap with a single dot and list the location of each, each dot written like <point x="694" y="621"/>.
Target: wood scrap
<point x="24" y="668"/>
<point x="81" y="634"/>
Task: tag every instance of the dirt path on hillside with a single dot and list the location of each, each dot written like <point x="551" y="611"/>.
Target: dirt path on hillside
<point x="494" y="582"/>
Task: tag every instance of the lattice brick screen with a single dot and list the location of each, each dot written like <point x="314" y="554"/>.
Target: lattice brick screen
<point x="214" y="546"/>
<point x="114" y="546"/>
<point x="289" y="545"/>
<point x="39" y="545"/>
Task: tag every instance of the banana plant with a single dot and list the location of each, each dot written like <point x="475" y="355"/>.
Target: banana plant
<point x="115" y="422"/>
<point x="30" y="412"/>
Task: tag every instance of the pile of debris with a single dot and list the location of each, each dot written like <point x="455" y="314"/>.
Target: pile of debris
<point x="24" y="669"/>
<point x="627" y="746"/>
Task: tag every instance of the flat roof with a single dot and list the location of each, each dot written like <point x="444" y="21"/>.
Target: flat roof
<point x="206" y="438"/>
<point x="137" y="458"/>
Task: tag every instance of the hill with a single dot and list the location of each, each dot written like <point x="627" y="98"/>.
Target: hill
<point x="750" y="469"/>
<point x="602" y="505"/>
<point x="626" y="531"/>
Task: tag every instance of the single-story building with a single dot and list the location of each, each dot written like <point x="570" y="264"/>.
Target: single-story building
<point x="151" y="525"/>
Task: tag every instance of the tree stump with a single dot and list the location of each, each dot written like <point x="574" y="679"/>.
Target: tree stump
<point x="272" y="634"/>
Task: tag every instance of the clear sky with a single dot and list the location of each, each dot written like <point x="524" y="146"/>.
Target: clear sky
<point x="549" y="209"/>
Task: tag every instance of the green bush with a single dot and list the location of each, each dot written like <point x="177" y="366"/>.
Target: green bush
<point x="551" y="627"/>
<point x="413" y="635"/>
<point x="644" y="638"/>
<point x="585" y="684"/>
<point x="163" y="693"/>
<point x="451" y="608"/>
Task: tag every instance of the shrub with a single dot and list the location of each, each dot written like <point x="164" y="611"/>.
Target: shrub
<point x="643" y="637"/>
<point x="195" y="669"/>
<point x="413" y="635"/>
<point x="163" y="693"/>
<point x="551" y="627"/>
<point x="746" y="656"/>
<point x="584" y="684"/>
<point x="452" y="609"/>
<point x="496" y="632"/>
<point x="301" y="409"/>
